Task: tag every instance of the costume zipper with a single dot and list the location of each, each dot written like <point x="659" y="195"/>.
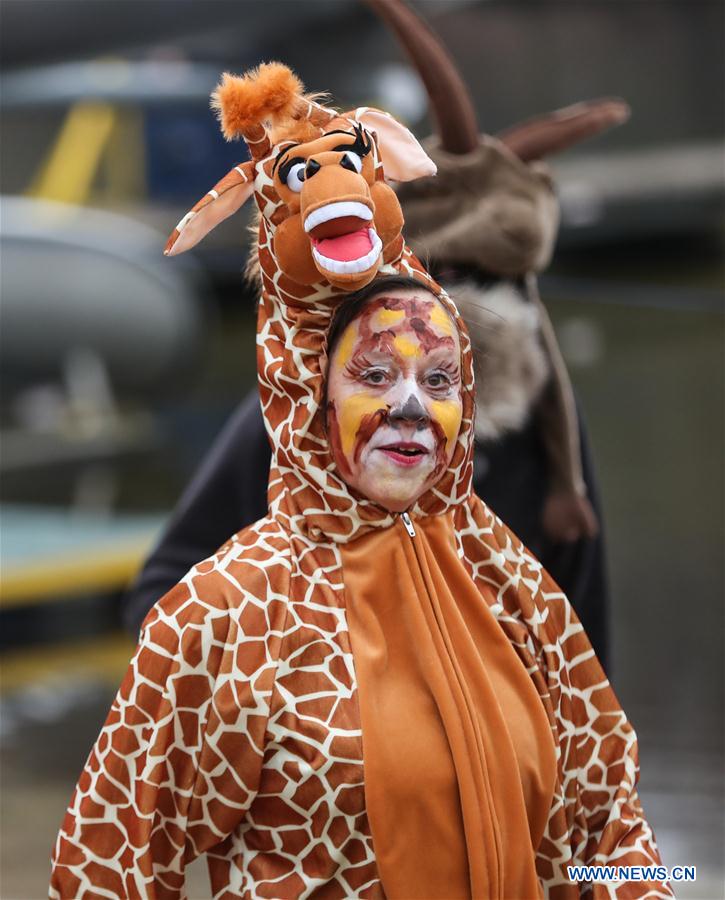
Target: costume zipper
<point x="405" y="519"/>
<point x="409" y="527"/>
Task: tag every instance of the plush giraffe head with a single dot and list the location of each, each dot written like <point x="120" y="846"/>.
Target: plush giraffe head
<point x="327" y="214"/>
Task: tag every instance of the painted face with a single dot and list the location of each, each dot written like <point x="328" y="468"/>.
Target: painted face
<point x="394" y="397"/>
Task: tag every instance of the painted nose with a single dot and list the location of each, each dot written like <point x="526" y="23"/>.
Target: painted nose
<point x="312" y="168"/>
<point x="411" y="413"/>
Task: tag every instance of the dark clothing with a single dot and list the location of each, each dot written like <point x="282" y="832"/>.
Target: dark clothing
<point x="229" y="491"/>
<point x="511" y="477"/>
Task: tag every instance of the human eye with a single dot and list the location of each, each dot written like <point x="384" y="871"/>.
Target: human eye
<point x="374" y="373"/>
<point x="375" y="376"/>
<point x="438" y="380"/>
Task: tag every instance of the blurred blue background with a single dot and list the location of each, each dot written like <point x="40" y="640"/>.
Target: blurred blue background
<point x="119" y="367"/>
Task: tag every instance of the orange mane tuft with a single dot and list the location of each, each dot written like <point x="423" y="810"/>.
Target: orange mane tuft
<point x="267" y="93"/>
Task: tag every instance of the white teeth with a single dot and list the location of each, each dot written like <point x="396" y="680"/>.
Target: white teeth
<point x="345" y="267"/>
<point x="337" y="211"/>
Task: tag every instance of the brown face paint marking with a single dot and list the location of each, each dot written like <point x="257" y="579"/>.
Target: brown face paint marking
<point x="441" y="442"/>
<point x="368" y="426"/>
<point x="417" y="318"/>
<point x="335" y="442"/>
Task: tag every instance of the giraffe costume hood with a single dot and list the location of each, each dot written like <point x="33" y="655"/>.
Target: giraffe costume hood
<point x="343" y="702"/>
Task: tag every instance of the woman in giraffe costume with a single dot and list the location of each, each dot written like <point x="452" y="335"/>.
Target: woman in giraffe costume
<point x="375" y="690"/>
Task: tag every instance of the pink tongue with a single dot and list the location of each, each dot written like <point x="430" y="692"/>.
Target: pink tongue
<point x="347" y="246"/>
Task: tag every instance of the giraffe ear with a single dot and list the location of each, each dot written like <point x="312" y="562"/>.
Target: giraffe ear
<point x="403" y="157"/>
<point x="224" y="199"/>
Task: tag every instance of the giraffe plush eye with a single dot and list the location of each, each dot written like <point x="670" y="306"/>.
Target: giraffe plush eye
<point x="295" y="177"/>
<point x="351" y="161"/>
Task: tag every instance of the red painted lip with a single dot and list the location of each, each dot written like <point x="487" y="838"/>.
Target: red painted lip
<point x="405" y="453"/>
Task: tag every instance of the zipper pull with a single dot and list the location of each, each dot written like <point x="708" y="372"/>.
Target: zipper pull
<point x="405" y="518"/>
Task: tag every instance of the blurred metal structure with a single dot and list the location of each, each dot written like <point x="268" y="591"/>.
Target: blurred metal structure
<point x="82" y="278"/>
<point x="635" y="193"/>
<point x="88" y="310"/>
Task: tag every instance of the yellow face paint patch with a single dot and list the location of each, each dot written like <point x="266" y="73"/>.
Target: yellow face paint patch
<point x="352" y="411"/>
<point x="440" y="318"/>
<point x="388" y="318"/>
<point x="346" y="344"/>
<point x="406" y="347"/>
<point x="449" y="414"/>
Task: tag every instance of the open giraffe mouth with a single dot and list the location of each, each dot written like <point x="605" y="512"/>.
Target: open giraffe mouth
<point x="344" y="241"/>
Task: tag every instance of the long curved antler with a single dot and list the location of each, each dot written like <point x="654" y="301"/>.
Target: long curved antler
<point x="454" y="110"/>
<point x="553" y="132"/>
<point x="450" y="100"/>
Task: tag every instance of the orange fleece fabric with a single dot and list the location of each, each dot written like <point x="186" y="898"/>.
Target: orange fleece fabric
<point x="459" y="757"/>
